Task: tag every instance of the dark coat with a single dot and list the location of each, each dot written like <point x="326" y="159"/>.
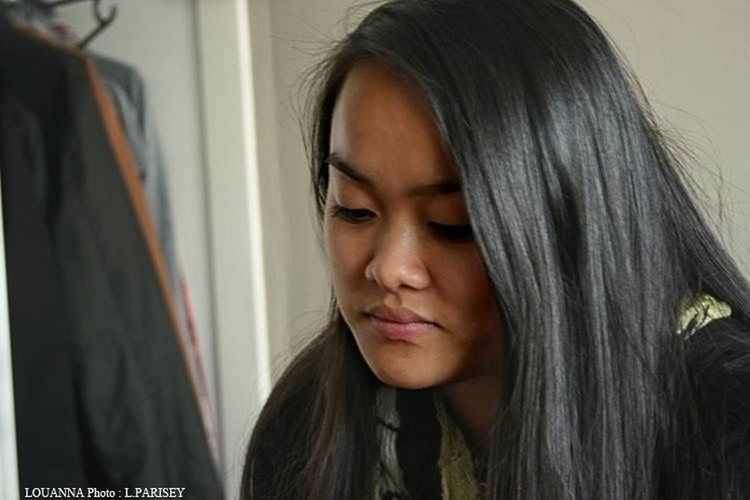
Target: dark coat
<point x="103" y="396"/>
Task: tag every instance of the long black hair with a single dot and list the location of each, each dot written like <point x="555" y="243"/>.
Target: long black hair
<point x="591" y="240"/>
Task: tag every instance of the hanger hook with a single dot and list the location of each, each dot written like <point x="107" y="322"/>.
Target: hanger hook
<point x="101" y="18"/>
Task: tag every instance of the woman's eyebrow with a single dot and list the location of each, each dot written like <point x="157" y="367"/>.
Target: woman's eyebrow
<point x="441" y="187"/>
<point x="336" y="162"/>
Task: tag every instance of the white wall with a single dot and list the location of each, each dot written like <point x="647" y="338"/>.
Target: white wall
<point x="232" y="135"/>
<point x="693" y="60"/>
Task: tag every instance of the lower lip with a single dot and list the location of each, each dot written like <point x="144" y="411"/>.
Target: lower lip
<point x="401" y="331"/>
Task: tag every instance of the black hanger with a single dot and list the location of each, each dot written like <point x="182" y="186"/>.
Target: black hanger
<point x="102" y="20"/>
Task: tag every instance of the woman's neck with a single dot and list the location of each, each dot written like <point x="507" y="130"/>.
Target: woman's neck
<point x="474" y="403"/>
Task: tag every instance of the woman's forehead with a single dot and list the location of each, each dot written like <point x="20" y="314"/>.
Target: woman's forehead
<point x="382" y="129"/>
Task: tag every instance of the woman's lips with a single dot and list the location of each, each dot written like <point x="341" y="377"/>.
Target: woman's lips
<point x="399" y="323"/>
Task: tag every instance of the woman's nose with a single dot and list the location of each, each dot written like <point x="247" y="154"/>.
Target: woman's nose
<point x="398" y="262"/>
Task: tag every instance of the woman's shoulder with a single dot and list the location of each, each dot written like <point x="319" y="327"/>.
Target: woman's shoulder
<point x="718" y="357"/>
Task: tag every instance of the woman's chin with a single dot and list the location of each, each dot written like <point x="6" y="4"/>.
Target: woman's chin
<point x="402" y="378"/>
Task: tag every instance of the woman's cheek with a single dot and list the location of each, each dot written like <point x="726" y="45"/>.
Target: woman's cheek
<point x="346" y="246"/>
<point x="471" y="289"/>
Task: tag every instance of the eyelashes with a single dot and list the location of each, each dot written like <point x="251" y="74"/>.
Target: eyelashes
<point x="353" y="215"/>
<point x="459" y="233"/>
<point x="452" y="232"/>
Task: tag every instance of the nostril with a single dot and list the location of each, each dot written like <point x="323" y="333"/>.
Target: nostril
<point x="395" y="272"/>
<point x="370" y="271"/>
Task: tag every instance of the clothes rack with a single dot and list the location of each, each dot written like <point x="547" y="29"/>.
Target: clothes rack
<point x="46" y="9"/>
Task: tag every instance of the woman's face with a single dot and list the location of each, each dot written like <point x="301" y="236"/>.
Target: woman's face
<point x="406" y="272"/>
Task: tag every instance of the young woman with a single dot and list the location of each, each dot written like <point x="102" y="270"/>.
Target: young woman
<point x="527" y="303"/>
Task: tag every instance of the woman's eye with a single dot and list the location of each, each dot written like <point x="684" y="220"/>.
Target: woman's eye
<point x="458" y="233"/>
<point x="353" y="215"/>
